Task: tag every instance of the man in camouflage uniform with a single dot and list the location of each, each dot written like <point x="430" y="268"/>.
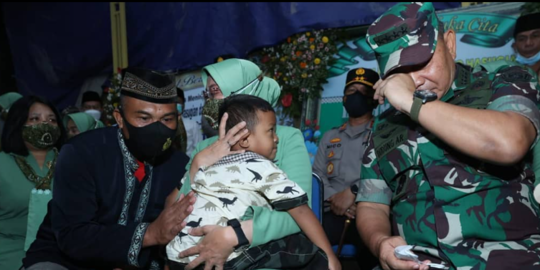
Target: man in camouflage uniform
<point x="451" y="176"/>
<point x="337" y="162"/>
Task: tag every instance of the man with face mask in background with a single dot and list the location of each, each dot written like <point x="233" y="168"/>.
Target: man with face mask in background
<point x="527" y="41"/>
<point x="338" y="161"/>
<point x="108" y="208"/>
<point x="92" y="105"/>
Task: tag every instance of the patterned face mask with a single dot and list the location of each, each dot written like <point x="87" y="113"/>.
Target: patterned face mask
<point x="211" y="112"/>
<point x="41" y="136"/>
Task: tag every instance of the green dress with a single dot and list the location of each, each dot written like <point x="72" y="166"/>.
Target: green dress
<point x="15" y="195"/>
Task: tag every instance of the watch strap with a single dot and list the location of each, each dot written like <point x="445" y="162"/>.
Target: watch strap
<point x="237" y="227"/>
<point x="415" y="108"/>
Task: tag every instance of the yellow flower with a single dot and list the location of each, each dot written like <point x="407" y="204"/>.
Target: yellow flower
<point x="324" y="39"/>
<point x="282" y="59"/>
<point x="115" y="104"/>
<point x="317" y="61"/>
<point x="304" y="75"/>
<point x="312" y="47"/>
<point x="219" y="59"/>
<point x="308" y="34"/>
<point x="285" y="78"/>
<point x="294" y="42"/>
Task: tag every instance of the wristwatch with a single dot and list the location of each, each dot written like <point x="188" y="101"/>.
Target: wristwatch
<point x="420" y="97"/>
<point x="242" y="240"/>
<point x="354" y="189"/>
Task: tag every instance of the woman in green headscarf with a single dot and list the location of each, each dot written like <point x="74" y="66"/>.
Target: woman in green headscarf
<point x="237" y="76"/>
<point x="80" y="122"/>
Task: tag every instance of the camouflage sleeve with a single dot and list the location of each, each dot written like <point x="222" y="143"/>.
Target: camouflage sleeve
<point x="515" y="90"/>
<point x="372" y="187"/>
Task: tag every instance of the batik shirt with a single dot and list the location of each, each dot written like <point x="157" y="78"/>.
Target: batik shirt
<point x="226" y="189"/>
<point x="468" y="213"/>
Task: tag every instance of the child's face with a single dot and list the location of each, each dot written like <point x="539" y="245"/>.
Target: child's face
<point x="264" y="139"/>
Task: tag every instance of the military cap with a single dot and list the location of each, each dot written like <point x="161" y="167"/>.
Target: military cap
<point x="364" y="76"/>
<point x="405" y="35"/>
<point x="527" y="23"/>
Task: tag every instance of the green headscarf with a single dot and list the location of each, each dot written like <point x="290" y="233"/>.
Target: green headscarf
<point x="235" y="74"/>
<point x="7" y="99"/>
<point x="83" y="121"/>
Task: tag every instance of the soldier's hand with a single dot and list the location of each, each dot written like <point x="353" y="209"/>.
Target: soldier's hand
<point x="389" y="261"/>
<point x="170" y="222"/>
<point x="398" y="89"/>
<point x="341" y="201"/>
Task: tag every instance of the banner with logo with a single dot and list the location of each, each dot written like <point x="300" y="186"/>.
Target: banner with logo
<point x="480" y="37"/>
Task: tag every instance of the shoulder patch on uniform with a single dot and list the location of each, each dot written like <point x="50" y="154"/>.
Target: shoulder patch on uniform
<point x="335" y="140"/>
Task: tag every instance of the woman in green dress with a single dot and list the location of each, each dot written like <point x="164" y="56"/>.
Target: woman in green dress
<point x="31" y="140"/>
<point x="238" y="76"/>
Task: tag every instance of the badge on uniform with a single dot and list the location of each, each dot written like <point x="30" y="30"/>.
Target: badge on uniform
<point x="335" y="140"/>
<point x="331" y="154"/>
<point x="330" y="168"/>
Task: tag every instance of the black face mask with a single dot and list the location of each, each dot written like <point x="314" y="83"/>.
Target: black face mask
<point x="149" y="142"/>
<point x="357" y="105"/>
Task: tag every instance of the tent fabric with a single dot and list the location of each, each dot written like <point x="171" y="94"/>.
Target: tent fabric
<point x="56" y="46"/>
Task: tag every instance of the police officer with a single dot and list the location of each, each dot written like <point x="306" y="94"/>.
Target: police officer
<point x="339" y="158"/>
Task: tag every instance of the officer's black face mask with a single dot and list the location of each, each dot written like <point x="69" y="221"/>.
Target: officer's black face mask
<point x="148" y="142"/>
<point x="357" y="104"/>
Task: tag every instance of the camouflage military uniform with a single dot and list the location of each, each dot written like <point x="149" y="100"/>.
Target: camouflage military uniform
<point x="470" y="214"/>
<point x="450" y="206"/>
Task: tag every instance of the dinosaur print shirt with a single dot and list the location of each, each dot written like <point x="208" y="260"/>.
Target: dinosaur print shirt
<point x="226" y="189"/>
